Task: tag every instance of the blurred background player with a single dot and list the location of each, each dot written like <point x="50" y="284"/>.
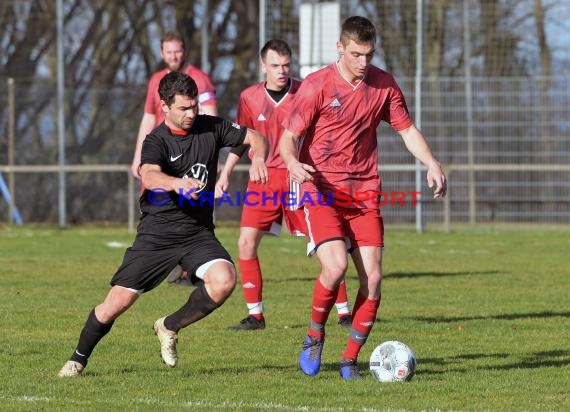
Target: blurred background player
<point x="337" y="110"/>
<point x="173" y="53"/>
<point x="263" y="107"/>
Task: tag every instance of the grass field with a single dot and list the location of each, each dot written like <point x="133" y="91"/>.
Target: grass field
<point x="487" y="313"/>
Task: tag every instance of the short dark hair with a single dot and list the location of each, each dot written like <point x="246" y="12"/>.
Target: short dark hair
<point x="176" y="83"/>
<point x="277" y="45"/>
<point x="172" y="36"/>
<point x="358" y="29"/>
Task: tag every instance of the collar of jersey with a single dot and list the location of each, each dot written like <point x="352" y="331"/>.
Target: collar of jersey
<point x="177" y="132"/>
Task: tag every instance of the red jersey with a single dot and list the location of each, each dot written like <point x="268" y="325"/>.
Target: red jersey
<point x="339" y="122"/>
<point x="206" y="90"/>
<point x="258" y="111"/>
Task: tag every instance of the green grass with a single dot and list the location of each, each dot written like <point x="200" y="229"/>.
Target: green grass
<point x="487" y="313"/>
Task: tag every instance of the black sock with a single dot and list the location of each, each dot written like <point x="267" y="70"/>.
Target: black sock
<point x="199" y="305"/>
<point x="90" y="335"/>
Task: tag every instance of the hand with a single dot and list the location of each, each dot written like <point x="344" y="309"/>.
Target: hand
<point x="221" y="186"/>
<point x="435" y="175"/>
<point x="258" y="171"/>
<point x="189" y="185"/>
<point x="299" y="172"/>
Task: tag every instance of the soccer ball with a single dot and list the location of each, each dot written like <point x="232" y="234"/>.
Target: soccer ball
<point x="392" y="361"/>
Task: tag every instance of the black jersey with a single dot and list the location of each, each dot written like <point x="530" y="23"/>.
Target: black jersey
<point x="194" y="155"/>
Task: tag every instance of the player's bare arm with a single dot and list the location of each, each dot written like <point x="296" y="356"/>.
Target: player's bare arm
<point x="224" y="178"/>
<point x="260" y="148"/>
<point x="417" y="145"/>
<point x="299" y="172"/>
<point x="153" y="178"/>
<point x="146" y="126"/>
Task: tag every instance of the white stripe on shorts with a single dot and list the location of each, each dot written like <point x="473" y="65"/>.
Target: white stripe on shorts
<point x="201" y="271"/>
<point x="135" y="291"/>
<point x="295" y="187"/>
<point x="295" y="194"/>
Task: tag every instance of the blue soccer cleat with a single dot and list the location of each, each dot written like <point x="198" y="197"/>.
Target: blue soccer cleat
<point x="310" y="359"/>
<point x="349" y="370"/>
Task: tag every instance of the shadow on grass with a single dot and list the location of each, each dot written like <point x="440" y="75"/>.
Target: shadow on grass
<point x="502" y="316"/>
<point x="438" y="366"/>
<point x="414" y="275"/>
<point x="309" y="278"/>
<point x="553" y="358"/>
<point x="290" y="367"/>
<point x="435" y="366"/>
<point x="389" y="276"/>
<point x="427" y="366"/>
<point x="253" y="368"/>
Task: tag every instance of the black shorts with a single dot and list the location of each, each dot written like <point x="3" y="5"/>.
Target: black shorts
<point x="151" y="258"/>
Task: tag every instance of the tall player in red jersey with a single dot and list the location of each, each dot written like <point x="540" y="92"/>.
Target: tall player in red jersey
<point x="173" y="53"/>
<point x="337" y="110"/>
<point x="263" y="107"/>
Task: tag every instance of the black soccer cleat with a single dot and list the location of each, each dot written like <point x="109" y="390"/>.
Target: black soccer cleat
<point x="345" y="321"/>
<point x="249" y="323"/>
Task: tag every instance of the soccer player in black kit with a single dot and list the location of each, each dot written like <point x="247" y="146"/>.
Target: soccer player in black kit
<point x="178" y="167"/>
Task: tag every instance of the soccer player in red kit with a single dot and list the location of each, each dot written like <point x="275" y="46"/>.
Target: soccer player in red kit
<point x="173" y="53"/>
<point x="263" y="107"/>
<point x="337" y="109"/>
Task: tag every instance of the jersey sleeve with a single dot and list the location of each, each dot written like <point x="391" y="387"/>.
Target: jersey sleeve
<point x="243" y="117"/>
<point x="230" y="134"/>
<point x="398" y="115"/>
<point x="151" y="95"/>
<point x="308" y="100"/>
<point x="240" y="150"/>
<point x="153" y="152"/>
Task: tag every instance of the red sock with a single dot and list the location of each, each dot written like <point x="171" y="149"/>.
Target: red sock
<point x="362" y="324"/>
<point x="358" y="302"/>
<point x="323" y="301"/>
<point x="252" y="286"/>
<point x="342" y="300"/>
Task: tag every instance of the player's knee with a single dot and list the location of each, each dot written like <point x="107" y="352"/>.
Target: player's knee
<point x="227" y="283"/>
<point x="118" y="300"/>
<point x="335" y="270"/>
<point x="243" y="244"/>
<point x="222" y="283"/>
<point x="247" y="246"/>
<point x="106" y="313"/>
<point x="374" y="280"/>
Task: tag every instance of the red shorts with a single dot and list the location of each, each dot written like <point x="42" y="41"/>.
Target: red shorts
<point x="357" y="227"/>
<point x="267" y="206"/>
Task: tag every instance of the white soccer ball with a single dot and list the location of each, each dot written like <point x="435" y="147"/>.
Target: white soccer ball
<point x="393" y="361"/>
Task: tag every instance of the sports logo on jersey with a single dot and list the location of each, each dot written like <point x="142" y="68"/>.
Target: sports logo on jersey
<point x="237" y="126"/>
<point x="335" y="103"/>
<point x="199" y="172"/>
<point x="175" y="158"/>
<point x="261" y="117"/>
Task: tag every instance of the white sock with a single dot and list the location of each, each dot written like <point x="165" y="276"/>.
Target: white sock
<point x="255" y="308"/>
<point x="342" y="308"/>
